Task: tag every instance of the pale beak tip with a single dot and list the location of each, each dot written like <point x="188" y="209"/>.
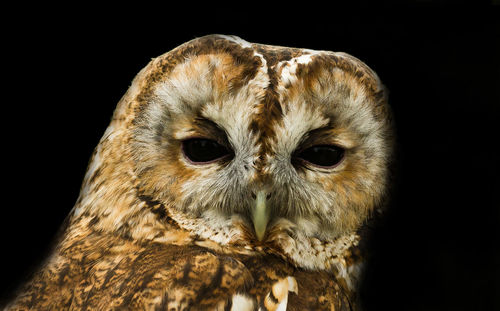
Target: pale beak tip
<point x="260" y="234"/>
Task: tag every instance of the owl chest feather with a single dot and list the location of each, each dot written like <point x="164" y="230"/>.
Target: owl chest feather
<point x="94" y="271"/>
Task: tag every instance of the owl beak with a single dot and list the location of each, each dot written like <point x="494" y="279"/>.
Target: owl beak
<point x="260" y="215"/>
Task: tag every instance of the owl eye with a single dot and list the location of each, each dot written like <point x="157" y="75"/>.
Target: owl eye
<point x="201" y="150"/>
<point x="322" y="155"/>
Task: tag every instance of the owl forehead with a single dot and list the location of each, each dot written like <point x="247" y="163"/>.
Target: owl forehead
<point x="233" y="82"/>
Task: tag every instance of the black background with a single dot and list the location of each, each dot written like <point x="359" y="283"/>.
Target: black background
<point x="439" y="246"/>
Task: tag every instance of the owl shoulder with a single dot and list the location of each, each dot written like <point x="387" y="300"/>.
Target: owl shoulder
<point x="97" y="272"/>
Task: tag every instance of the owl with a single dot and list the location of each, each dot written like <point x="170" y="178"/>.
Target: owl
<point x="233" y="176"/>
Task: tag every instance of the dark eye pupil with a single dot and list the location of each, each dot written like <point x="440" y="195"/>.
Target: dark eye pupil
<point x="203" y="150"/>
<point x="322" y="155"/>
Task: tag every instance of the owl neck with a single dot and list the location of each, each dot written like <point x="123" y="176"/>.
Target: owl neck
<point x="143" y="219"/>
<point x="232" y="235"/>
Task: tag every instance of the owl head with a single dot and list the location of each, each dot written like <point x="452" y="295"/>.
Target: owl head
<point x="235" y="140"/>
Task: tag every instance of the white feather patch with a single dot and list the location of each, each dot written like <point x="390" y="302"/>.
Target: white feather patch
<point x="235" y="39"/>
<point x="242" y="303"/>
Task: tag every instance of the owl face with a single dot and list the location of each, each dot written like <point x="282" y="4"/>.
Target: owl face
<point x="225" y="130"/>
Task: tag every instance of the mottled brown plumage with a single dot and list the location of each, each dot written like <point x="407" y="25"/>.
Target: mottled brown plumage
<point x="153" y="230"/>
